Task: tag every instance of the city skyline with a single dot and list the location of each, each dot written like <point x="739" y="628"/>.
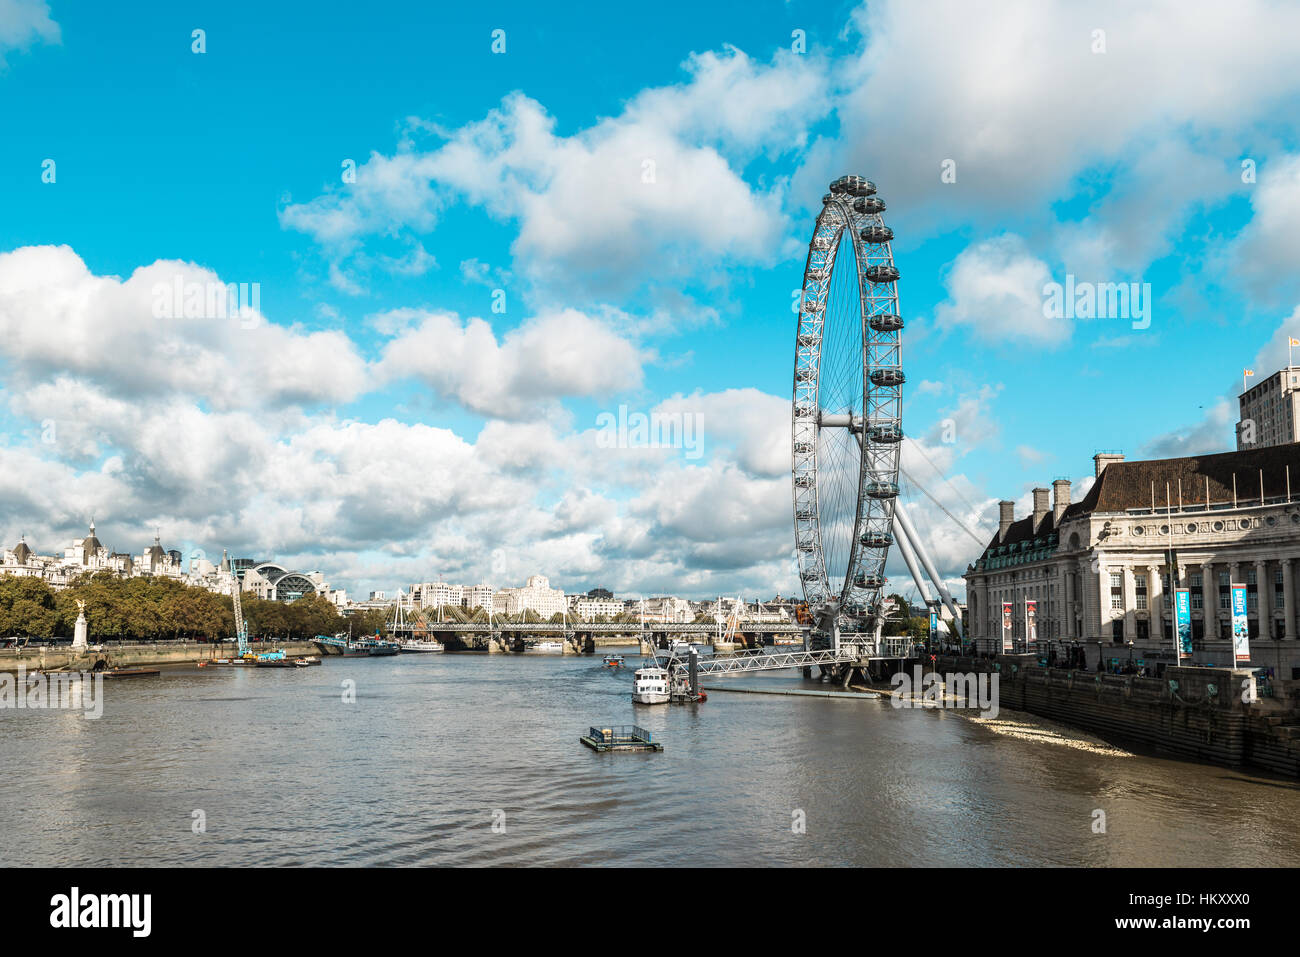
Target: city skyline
<point x="450" y="298"/>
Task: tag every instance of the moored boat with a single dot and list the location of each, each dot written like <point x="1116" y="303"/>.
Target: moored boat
<point x="420" y="646"/>
<point x="650" y="686"/>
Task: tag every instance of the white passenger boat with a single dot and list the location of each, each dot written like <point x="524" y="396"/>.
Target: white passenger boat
<point x="425" y="645"/>
<point x="548" y="647"/>
<point x="650" y="686"/>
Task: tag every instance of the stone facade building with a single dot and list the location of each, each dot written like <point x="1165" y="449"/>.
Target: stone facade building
<point x="1270" y="412"/>
<point x="1100" y="569"/>
<point x="537" y="595"/>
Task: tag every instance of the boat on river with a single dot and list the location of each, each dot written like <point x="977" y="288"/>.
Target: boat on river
<point x="420" y="646"/>
<point x="650" y="686"/>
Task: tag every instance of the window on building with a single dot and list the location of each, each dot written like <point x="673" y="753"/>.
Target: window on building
<point x="1116" y="590"/>
<point x="1140" y="591"/>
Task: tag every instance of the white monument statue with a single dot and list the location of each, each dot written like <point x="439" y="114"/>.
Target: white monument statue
<point x="79" y="634"/>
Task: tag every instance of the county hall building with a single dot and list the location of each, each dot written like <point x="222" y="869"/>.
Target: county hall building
<point x="1098" y="570"/>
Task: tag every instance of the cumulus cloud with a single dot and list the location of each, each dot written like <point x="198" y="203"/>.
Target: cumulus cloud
<point x="24" y="23"/>
<point x="995" y="288"/>
<point x="549" y="357"/>
<point x="224" y="434"/>
<point x="1021" y="98"/>
<point x="1264" y="255"/>
<point x="56" y="316"/>
<point x="655" y="191"/>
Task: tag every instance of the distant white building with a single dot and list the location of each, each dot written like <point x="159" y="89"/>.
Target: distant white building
<point x="437" y="595"/>
<point x="666" y="609"/>
<point x="537" y="595"/>
<point x="586" y="609"/>
<point x="477" y="596"/>
<point x="273" y="582"/>
<point x="156" y="561"/>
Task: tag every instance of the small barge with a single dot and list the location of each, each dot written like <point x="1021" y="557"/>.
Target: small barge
<point x="627" y="737"/>
<point x="302" y="662"/>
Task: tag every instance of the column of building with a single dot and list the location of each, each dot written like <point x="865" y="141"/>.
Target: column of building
<point x="1263" y="600"/>
<point x="1209" y="600"/>
<point x="1129" y="603"/>
<point x="1155" y="603"/>
<point x="1067" y="611"/>
<point x="1288" y="597"/>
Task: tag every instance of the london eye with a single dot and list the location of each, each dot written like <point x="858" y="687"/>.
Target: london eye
<point x="847" y="408"/>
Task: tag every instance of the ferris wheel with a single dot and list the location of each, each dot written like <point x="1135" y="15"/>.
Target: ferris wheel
<point x="847" y="409"/>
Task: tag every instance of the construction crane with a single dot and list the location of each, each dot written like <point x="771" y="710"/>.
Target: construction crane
<point x="241" y="632"/>
<point x="241" y="624"/>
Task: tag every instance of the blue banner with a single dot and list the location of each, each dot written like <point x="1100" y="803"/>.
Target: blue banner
<point x="934" y="624"/>
<point x="1183" y="622"/>
<point x="1240" y="624"/>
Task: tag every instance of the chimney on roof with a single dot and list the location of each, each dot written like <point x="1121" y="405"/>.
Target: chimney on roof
<point x="1102" y="459"/>
<point x="1060" y="500"/>
<point x="1006" y="516"/>
<point x="1040" y="506"/>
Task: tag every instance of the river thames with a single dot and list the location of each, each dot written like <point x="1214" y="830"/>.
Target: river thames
<point x="475" y="760"/>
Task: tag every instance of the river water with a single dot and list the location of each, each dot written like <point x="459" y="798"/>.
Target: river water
<point x="475" y="760"/>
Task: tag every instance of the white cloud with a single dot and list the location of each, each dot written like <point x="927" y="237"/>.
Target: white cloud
<point x="1015" y="95"/>
<point x="1275" y="353"/>
<point x="24" y="23"/>
<point x="1266" y="252"/>
<point x="656" y="191"/>
<point x="549" y="357"/>
<point x="56" y="317"/>
<point x="995" y="288"/>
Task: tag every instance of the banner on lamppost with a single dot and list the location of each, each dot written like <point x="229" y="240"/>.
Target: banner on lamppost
<point x="934" y="625"/>
<point x="1031" y="622"/>
<point x="1183" y="622"/>
<point x="1240" y="624"/>
<point x="1006" y="627"/>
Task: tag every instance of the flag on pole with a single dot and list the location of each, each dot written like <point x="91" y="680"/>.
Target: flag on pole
<point x="1291" y="343"/>
<point x="1245" y="373"/>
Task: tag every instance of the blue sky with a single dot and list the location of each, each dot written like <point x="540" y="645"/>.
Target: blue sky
<point x="380" y="422"/>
